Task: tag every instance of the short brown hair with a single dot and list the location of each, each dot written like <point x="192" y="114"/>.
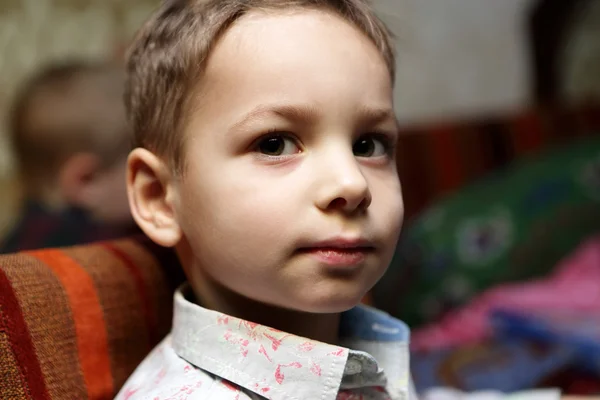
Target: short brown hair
<point x="170" y="52"/>
<point x="65" y="108"/>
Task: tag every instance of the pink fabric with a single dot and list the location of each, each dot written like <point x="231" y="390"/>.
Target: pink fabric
<point x="574" y="286"/>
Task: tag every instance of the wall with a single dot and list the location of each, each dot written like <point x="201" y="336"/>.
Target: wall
<point x="581" y="57"/>
<point x="459" y="57"/>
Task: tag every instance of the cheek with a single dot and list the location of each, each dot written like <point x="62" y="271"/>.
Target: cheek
<point x="229" y="211"/>
<point x="238" y="234"/>
<point x="388" y="208"/>
<point x="110" y="191"/>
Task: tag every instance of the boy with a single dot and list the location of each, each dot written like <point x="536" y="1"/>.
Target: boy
<point x="71" y="139"/>
<point x="266" y="135"/>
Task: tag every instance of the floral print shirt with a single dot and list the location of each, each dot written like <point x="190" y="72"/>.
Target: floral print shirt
<point x="209" y="355"/>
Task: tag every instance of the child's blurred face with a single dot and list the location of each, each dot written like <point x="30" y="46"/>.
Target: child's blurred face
<point x="290" y="194"/>
<point x="100" y="190"/>
<point x="108" y="195"/>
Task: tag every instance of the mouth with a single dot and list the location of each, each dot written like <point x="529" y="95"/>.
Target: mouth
<point x="340" y="253"/>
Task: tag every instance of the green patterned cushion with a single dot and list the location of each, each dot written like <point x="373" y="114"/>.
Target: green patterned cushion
<point x="514" y="225"/>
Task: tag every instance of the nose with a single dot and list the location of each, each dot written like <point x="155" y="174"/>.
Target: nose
<point x="343" y="187"/>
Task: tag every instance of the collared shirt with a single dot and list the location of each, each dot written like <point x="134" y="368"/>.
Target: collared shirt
<point x="209" y="355"/>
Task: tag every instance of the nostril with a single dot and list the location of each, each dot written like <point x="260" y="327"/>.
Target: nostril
<point x="338" y="203"/>
<point x="364" y="204"/>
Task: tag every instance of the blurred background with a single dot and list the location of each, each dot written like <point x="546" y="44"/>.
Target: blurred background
<point x="498" y="267"/>
<point x="39" y="34"/>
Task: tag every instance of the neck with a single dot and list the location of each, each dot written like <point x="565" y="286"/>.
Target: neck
<point x="319" y="327"/>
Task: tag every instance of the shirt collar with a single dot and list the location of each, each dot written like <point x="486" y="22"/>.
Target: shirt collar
<point x="278" y="365"/>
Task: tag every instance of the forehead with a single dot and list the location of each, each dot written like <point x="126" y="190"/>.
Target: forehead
<point x="296" y="34"/>
<point x="305" y="53"/>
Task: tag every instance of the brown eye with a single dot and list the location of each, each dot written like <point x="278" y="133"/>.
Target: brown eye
<point x="369" y="146"/>
<point x="277" y="145"/>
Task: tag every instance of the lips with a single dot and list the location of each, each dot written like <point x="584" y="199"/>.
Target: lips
<point x="339" y="252"/>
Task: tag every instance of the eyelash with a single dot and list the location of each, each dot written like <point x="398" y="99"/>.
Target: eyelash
<point x="386" y="140"/>
<point x="273" y="133"/>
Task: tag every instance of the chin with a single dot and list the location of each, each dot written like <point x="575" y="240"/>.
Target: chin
<point x="332" y="303"/>
<point x="331" y="295"/>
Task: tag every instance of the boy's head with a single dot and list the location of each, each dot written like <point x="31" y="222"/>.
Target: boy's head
<point x="71" y="138"/>
<point x="266" y="142"/>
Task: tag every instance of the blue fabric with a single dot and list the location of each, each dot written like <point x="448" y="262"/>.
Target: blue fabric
<point x="367" y="323"/>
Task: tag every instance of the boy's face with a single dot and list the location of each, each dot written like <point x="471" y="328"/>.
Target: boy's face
<point x="290" y="194"/>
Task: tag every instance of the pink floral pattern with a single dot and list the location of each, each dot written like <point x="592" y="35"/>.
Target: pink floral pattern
<point x="214" y="356"/>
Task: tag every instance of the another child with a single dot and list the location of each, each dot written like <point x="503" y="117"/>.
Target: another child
<point x="71" y="140"/>
<point x="266" y="157"/>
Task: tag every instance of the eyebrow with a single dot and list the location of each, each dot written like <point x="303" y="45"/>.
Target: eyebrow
<point x="295" y="113"/>
<point x="308" y="113"/>
<point x="374" y="116"/>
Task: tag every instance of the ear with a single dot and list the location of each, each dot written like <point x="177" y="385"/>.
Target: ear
<point x="151" y="193"/>
<point x="75" y="175"/>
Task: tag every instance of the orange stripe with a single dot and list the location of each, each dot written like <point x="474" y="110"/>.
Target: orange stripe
<point x="133" y="269"/>
<point x="92" y="340"/>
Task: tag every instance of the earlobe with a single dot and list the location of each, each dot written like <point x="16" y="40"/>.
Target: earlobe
<point x="150" y="188"/>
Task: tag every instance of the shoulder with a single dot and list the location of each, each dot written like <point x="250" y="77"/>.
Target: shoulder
<point x="164" y="375"/>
